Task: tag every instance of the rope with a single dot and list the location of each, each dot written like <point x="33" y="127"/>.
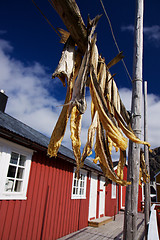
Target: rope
<point x="115" y="38"/>
<point x="46" y="18"/>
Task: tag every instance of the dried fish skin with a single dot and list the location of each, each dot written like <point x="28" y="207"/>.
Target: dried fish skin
<point x="115" y="60"/>
<point x="66" y="64"/>
<point x="94" y="55"/>
<point x="75" y="128"/>
<point x="78" y="96"/>
<point x="64" y="35"/>
<point x="100" y="106"/>
<point x="145" y="174"/>
<point x="59" y="130"/>
<point x="104" y="162"/>
<point x="130" y="134"/>
<point x="121" y="164"/>
<point x="87" y="151"/>
<point x="101" y="79"/>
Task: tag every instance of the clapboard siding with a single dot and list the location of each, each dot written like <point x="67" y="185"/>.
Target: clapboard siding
<point x="110" y="204"/>
<point x="49" y="212"/>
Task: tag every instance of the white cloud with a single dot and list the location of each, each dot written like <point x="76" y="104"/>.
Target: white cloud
<point x="127" y="28"/>
<point x="2" y="32"/>
<point x="26" y="87"/>
<point x="151" y="33"/>
<point x="31" y="102"/>
<point x="153" y="115"/>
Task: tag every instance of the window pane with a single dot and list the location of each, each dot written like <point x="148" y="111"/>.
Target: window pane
<point x="9" y="185"/>
<point x="77" y="183"/>
<point x="20" y="172"/>
<point x="11" y="171"/>
<point x="80" y="192"/>
<point x="74" y="190"/>
<point x="74" y="182"/>
<point x="22" y="160"/>
<point x="18" y="186"/>
<point x="14" y="158"/>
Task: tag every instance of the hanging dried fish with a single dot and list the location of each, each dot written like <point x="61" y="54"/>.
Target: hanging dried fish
<point x="105" y="118"/>
<point x="130" y="134"/>
<point x="75" y="127"/>
<point x="87" y="151"/>
<point x="65" y="67"/>
<point x="79" y="89"/>
<point x="59" y="130"/>
<point x="101" y="79"/>
<point x="64" y="35"/>
<point x="121" y="164"/>
<point x="78" y="96"/>
<point x="115" y="60"/>
<point x="145" y="174"/>
<point x="106" y="168"/>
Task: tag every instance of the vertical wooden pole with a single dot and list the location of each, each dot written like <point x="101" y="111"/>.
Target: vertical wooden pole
<point x="147" y="205"/>
<point x="130" y="220"/>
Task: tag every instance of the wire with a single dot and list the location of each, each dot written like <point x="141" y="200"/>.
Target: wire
<point x="115" y="38"/>
<point x="46" y="19"/>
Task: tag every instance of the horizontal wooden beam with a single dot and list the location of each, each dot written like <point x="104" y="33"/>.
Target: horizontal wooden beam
<point x="70" y="14"/>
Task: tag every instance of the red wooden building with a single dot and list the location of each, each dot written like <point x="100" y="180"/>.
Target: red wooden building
<point x="40" y="197"/>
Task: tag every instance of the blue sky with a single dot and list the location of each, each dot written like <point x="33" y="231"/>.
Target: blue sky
<point x="30" y="51"/>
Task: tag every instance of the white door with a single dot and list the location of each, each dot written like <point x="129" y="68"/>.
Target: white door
<point x="102" y="197"/>
<point x="93" y="196"/>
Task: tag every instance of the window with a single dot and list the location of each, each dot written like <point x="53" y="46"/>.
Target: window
<point x="15" y="174"/>
<point x="15" y="163"/>
<point x="113" y="193"/>
<point x="79" y="185"/>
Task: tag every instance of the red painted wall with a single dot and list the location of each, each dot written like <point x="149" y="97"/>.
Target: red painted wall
<point x="48" y="212"/>
<point x="140" y="199"/>
<point x="110" y="204"/>
<point x="124" y="190"/>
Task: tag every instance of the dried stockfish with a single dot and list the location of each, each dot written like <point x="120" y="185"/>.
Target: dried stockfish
<point x="64" y="35"/>
<point x="121" y="164"/>
<point x="106" y="168"/>
<point x="78" y="96"/>
<point x="101" y="79"/>
<point x="101" y="106"/>
<point x="115" y="60"/>
<point x="129" y="133"/>
<point x="75" y="127"/>
<point x="59" y="130"/>
<point x="87" y="151"/>
<point x="145" y="174"/>
<point x="79" y="89"/>
<point x="65" y="67"/>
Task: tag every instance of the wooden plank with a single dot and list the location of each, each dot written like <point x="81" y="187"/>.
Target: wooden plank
<point x="47" y="233"/>
<point x="8" y="220"/>
<point x="111" y="230"/>
<point x="40" y="200"/>
<point x="16" y="215"/>
<point x="99" y="222"/>
<point x="4" y="207"/>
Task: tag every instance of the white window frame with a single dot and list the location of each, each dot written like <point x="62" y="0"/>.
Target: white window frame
<point x="78" y="196"/>
<point x="114" y="191"/>
<point x="6" y="148"/>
